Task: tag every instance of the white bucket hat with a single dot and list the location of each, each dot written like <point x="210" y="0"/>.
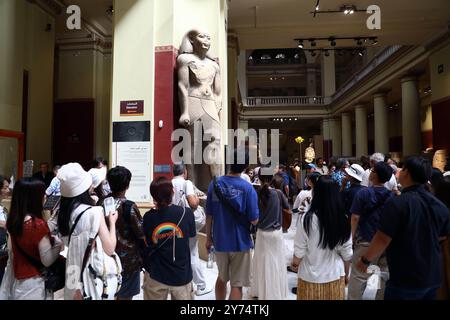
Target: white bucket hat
<point x="98" y="176"/>
<point x="355" y="171"/>
<point x="74" y="180"/>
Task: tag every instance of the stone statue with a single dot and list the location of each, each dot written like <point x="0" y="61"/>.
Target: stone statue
<point x="200" y="99"/>
<point x="310" y="153"/>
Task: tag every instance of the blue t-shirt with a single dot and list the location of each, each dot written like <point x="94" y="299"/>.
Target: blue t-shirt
<point x="230" y="235"/>
<point x="368" y="204"/>
<point x="162" y="265"/>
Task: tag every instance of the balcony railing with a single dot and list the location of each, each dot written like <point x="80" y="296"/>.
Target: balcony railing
<point x="311" y="101"/>
<point x="286" y="101"/>
<point x="368" y="68"/>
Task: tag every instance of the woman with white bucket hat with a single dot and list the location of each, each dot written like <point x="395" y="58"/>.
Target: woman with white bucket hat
<point x="93" y="271"/>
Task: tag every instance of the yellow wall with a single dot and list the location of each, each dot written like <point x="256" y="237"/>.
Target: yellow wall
<point x="39" y="61"/>
<point x="12" y="34"/>
<point x="25" y="45"/>
<point x="76" y="74"/>
<point x="440" y="83"/>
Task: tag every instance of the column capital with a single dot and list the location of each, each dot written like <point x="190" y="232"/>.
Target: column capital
<point x="380" y="94"/>
<point x="409" y="78"/>
<point x="346" y="114"/>
<point x="360" y="106"/>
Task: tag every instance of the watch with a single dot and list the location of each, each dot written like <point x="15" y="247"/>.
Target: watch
<point x="365" y="261"/>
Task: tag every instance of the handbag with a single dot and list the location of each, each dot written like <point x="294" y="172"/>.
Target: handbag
<point x="236" y="213"/>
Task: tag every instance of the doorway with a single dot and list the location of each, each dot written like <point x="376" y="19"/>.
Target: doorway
<point x="73" y="132"/>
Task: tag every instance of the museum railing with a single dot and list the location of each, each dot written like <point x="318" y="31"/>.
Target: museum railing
<point x="285" y="101"/>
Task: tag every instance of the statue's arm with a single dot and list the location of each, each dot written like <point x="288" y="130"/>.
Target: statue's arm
<point x="218" y="88"/>
<point x="183" y="87"/>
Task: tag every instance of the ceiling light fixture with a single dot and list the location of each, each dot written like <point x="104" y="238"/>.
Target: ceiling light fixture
<point x="300" y="44"/>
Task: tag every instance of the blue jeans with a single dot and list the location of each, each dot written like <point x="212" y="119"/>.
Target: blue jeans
<point x="394" y="293"/>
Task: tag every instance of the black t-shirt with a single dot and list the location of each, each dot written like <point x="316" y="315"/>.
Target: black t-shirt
<point x="368" y="203"/>
<point x="415" y="221"/>
<point x="271" y="218"/>
<point x="349" y="194"/>
<point x="161" y="264"/>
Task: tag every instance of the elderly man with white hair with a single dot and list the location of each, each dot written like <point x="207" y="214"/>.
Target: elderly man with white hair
<point x="374" y="159"/>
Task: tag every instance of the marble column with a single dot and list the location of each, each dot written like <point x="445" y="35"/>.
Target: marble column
<point x="412" y="141"/>
<point x="361" y="131"/>
<point x="347" y="134"/>
<point x="381" y="123"/>
<point x="336" y="136"/>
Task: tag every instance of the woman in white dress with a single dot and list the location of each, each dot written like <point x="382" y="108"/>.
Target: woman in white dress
<point x="91" y="243"/>
<point x="269" y="268"/>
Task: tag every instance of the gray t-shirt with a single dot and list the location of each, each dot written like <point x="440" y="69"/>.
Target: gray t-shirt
<point x="271" y="217"/>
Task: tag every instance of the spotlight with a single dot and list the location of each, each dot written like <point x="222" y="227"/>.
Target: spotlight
<point x="361" y="53"/>
<point x="374" y="41"/>
<point x="346" y="11"/>
<point x="352" y="11"/>
<point x="359" y="41"/>
<point x="332" y="42"/>
<point x="340" y="52"/>
<point x="296" y="119"/>
<point x="300" y="44"/>
<point x="327" y="53"/>
<point x="313" y="53"/>
<point x="317" y="8"/>
<point x="313" y="42"/>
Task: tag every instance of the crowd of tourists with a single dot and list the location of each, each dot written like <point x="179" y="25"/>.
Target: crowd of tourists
<point x="350" y="220"/>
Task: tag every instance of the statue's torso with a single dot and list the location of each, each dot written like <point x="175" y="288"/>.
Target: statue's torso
<point x="202" y="75"/>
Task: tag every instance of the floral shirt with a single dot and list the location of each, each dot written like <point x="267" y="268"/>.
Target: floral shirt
<point x="338" y="176"/>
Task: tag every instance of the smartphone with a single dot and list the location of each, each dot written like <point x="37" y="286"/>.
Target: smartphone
<point x="109" y="206"/>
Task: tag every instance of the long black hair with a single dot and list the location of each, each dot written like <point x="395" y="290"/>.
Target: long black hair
<point x="327" y="205"/>
<point x="27" y="199"/>
<point x="68" y="205"/>
<point x="264" y="192"/>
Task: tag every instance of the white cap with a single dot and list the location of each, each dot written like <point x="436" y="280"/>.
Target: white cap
<point x="98" y="176"/>
<point x="355" y="171"/>
<point x="74" y="180"/>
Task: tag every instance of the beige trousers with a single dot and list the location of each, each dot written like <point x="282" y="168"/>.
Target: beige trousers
<point x="154" y="290"/>
<point x="358" y="281"/>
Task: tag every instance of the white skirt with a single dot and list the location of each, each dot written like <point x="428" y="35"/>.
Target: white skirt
<point x="269" y="281"/>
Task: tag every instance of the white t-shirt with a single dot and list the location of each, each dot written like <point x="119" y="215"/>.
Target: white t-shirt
<point x="182" y="187"/>
<point x="301" y="197"/>
<point x="324" y="170"/>
<point x="246" y="177"/>
<point x="319" y="265"/>
<point x="2" y="214"/>
<point x="390" y="185"/>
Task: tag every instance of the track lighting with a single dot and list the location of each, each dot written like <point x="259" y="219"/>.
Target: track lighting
<point x="360" y="41"/>
<point x="348" y="9"/>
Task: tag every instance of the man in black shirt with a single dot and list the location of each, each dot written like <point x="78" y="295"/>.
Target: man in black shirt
<point x="410" y="229"/>
<point x="44" y="174"/>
